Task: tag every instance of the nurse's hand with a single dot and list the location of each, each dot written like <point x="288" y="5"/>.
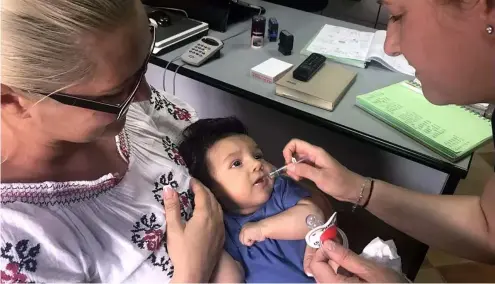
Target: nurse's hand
<point x="309" y="254"/>
<point x="327" y="260"/>
<point x="328" y="174"/>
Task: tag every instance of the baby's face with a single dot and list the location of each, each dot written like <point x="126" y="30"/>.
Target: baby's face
<point x="236" y="164"/>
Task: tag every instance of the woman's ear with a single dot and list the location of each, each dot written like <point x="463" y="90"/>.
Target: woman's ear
<point x="13" y="103"/>
<point x="491" y="15"/>
<point x="487" y="8"/>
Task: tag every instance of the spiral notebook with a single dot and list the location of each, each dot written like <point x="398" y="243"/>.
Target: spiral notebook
<point x="451" y="131"/>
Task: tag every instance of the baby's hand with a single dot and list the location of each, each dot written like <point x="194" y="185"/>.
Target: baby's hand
<point x="250" y="233"/>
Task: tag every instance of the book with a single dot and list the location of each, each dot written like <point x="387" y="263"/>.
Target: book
<point x="450" y="130"/>
<point x="270" y="70"/>
<point x="324" y="90"/>
<point x="356" y="48"/>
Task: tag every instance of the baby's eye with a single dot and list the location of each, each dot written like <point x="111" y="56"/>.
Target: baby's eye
<point x="258" y="156"/>
<point x="236" y="164"/>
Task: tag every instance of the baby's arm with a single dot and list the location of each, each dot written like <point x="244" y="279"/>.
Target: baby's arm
<point x="227" y="270"/>
<point x="290" y="224"/>
<point x="287" y="225"/>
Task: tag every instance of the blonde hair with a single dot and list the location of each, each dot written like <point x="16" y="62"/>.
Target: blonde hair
<point x="42" y="48"/>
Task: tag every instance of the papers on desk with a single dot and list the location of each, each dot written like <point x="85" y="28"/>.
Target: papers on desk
<point x="355" y="48"/>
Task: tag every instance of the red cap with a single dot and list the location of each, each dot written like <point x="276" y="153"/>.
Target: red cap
<point x="329" y="233"/>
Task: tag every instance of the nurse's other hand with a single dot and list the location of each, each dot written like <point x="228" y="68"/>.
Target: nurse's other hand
<point x="331" y="255"/>
<point x="326" y="172"/>
<point x="194" y="247"/>
<point x="309" y="254"/>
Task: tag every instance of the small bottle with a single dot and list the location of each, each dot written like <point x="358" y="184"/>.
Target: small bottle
<point x="258" y="27"/>
<point x="272" y="29"/>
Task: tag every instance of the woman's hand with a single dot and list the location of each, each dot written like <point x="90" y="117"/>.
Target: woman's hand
<point x="327" y="260"/>
<point x="309" y="254"/>
<point x="328" y="174"/>
<point x="194" y="247"/>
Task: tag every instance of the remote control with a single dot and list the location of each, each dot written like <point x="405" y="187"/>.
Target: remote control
<point x="309" y="67"/>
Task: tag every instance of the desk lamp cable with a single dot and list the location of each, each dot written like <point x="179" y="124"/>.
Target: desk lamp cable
<point x="164" y="82"/>
<point x="175" y="74"/>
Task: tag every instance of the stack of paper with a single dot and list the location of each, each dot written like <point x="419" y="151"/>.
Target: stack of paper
<point x="355" y="48"/>
<point x="451" y="131"/>
<point x="270" y="70"/>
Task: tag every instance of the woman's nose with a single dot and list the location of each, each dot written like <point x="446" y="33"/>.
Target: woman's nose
<point x="392" y="42"/>
<point x="143" y="93"/>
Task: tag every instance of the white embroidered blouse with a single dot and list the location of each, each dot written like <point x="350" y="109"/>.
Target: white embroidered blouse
<point x="105" y="230"/>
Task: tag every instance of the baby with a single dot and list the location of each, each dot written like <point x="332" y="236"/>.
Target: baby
<point x="265" y="218"/>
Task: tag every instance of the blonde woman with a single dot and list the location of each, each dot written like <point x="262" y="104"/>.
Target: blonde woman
<point x="85" y="173"/>
<point x="451" y="43"/>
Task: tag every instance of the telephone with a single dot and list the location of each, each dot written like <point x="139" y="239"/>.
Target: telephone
<point x="202" y="50"/>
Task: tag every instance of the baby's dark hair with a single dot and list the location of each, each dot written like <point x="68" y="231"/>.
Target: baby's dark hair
<point x="200" y="136"/>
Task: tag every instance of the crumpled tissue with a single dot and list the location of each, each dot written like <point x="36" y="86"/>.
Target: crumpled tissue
<point x="383" y="252"/>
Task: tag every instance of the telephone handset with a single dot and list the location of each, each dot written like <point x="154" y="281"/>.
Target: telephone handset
<point x="202" y="50"/>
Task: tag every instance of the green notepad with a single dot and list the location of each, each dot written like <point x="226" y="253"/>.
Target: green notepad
<point x="451" y="130"/>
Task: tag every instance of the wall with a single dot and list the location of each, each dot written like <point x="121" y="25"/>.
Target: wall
<point x="361" y="12"/>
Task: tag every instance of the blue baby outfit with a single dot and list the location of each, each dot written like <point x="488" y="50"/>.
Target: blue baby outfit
<point x="269" y="260"/>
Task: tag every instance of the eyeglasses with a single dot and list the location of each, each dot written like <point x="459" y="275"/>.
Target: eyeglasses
<point x="107" y="103"/>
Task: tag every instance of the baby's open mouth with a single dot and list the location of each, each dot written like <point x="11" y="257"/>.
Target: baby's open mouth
<point x="260" y="180"/>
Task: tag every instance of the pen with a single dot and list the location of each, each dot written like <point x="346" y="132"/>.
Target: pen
<point x="280" y="170"/>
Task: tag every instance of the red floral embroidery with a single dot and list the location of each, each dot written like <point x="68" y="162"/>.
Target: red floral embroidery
<point x="161" y="182"/>
<point x="186" y="197"/>
<point x="12" y="274"/>
<point x="177" y="157"/>
<point x="187" y="204"/>
<point x="159" y="101"/>
<point x="184" y="200"/>
<point x="21" y="258"/>
<point x="146" y="234"/>
<point x="172" y="151"/>
<point x="181" y="114"/>
<point x="153" y="239"/>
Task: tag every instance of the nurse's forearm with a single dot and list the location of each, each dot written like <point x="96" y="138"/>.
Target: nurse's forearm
<point x="456" y="224"/>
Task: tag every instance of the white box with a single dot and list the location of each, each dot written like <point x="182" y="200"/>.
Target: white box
<point x="270" y="70"/>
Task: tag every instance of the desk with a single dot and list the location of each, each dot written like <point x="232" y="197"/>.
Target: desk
<point x="362" y="143"/>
